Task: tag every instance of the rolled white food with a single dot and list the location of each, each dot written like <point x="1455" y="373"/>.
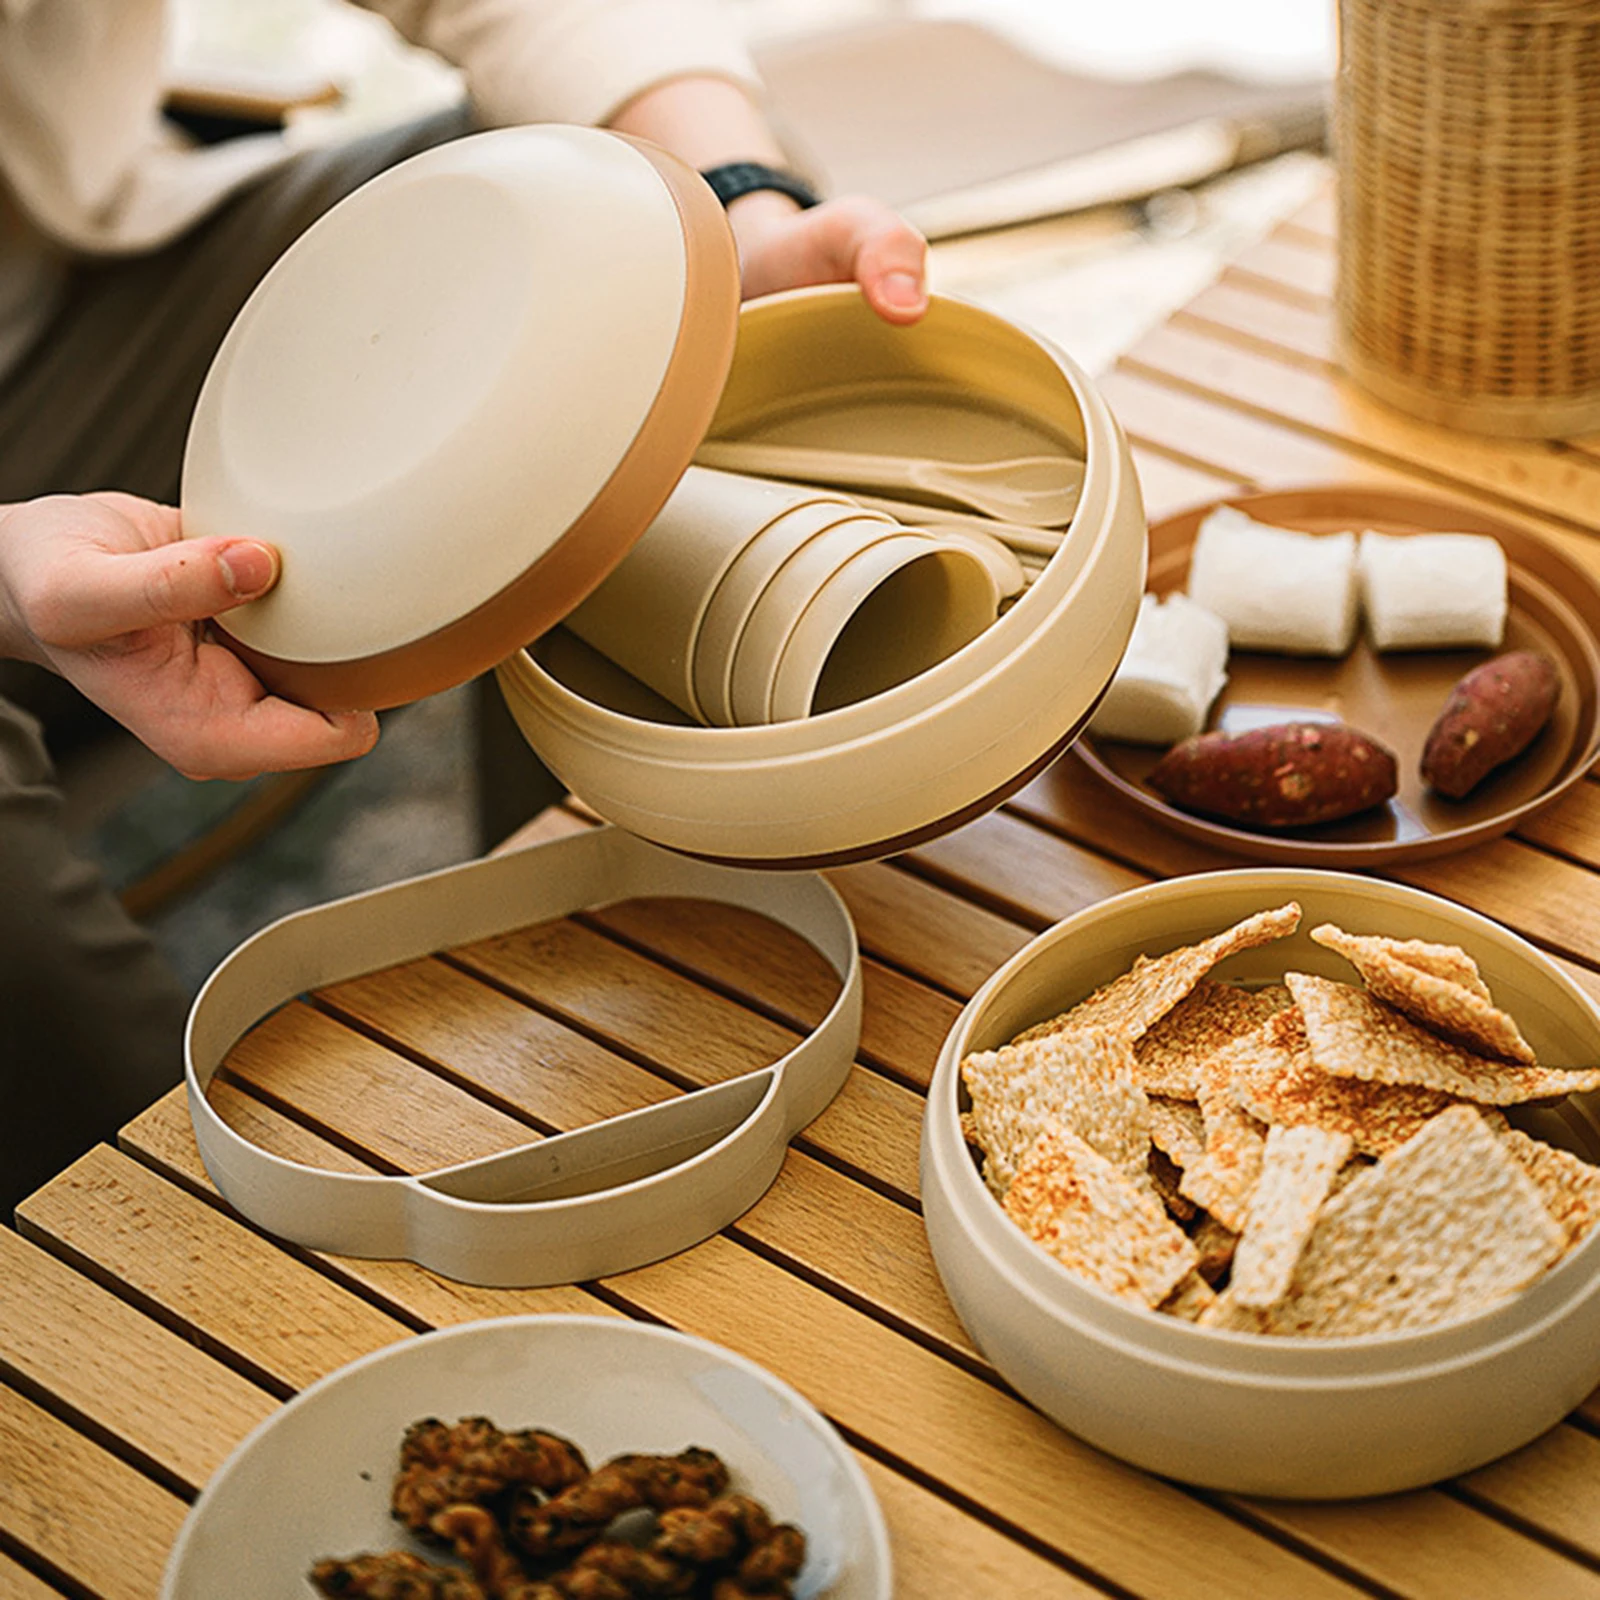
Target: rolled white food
<point x="1174" y="667"/>
<point x="1432" y="591"/>
<point x="1277" y="589"/>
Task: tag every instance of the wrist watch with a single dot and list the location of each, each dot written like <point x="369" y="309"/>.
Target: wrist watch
<point x="736" y="178"/>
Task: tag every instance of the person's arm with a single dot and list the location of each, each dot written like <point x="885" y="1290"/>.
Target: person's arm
<point x="101" y="589"/>
<point x="710" y="122"/>
<point x="677" y="73"/>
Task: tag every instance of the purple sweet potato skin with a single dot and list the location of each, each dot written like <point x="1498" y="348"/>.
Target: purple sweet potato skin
<point x="1289" y="775"/>
<point x="1493" y="714"/>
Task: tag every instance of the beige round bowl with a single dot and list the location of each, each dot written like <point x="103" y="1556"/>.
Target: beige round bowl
<point x="1309" y="1418"/>
<point x="816" y="366"/>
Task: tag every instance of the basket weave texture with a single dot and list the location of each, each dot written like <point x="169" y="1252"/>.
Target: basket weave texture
<point x="1467" y="135"/>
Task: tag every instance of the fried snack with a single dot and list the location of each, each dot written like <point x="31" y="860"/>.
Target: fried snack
<point x="1406" y="1244"/>
<point x="477" y="1537"/>
<point x="1081" y="1080"/>
<point x="1310" y="1159"/>
<point x="1177" y="1129"/>
<point x="1143" y="995"/>
<point x="1168" y="1058"/>
<point x="1096" y="1222"/>
<point x="612" y="1569"/>
<point x="735" y="1532"/>
<point x="1165" y="1175"/>
<point x="1297" y="1171"/>
<point x="579" y="1514"/>
<point x="1190" y="1300"/>
<point x="471" y="1462"/>
<point x="1570" y="1187"/>
<point x="1223" y="1177"/>
<point x="396" y="1575"/>
<point x="1460" y="1011"/>
<point x="1354" y="1035"/>
<point x="1292" y="1091"/>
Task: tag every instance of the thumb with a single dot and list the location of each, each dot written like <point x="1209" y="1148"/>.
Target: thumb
<point x="119" y="592"/>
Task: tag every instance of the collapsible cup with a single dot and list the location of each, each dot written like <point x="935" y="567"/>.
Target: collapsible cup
<point x="889" y="613"/>
<point x="729" y="609"/>
<point x="672" y="574"/>
<point x="782" y="602"/>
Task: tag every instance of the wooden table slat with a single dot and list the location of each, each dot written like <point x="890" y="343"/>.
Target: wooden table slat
<point x="1291" y="264"/>
<point x="17" y="1583"/>
<point x="1536" y="474"/>
<point x="77" y="1510"/>
<point x="891" y="1392"/>
<point x="1429" y="1546"/>
<point x="220" y="1283"/>
<point x="183" y="1413"/>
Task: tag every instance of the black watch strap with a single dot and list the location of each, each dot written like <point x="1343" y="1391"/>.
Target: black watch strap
<point x="738" y="178"/>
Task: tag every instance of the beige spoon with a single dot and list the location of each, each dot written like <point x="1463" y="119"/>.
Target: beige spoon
<point x="1041" y="490"/>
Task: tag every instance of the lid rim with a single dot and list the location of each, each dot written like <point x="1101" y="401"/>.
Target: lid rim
<point x="602" y="534"/>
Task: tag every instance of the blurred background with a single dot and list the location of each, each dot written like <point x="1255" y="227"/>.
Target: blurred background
<point x="1083" y="169"/>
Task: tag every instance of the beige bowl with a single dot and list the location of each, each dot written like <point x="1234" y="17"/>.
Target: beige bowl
<point x="1311" y="1418"/>
<point x="816" y="366"/>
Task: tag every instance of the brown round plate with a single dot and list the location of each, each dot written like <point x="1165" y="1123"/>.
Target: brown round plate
<point x="1554" y="607"/>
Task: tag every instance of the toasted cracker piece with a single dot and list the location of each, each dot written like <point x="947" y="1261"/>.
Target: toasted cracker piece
<point x="1216" y="1242"/>
<point x="1091" y="1217"/>
<point x="1569" y="1186"/>
<point x="1082" y="1080"/>
<point x="1460" y="1011"/>
<point x="1143" y="995"/>
<point x="1440" y="1228"/>
<point x="1168" y="1057"/>
<point x="1164" y="1176"/>
<point x="1295" y="1092"/>
<point x="1222" y="1177"/>
<point x="1177" y="1129"/>
<point x="1297" y="1171"/>
<point x="1190" y="1299"/>
<point x="1354" y="1035"/>
<point x="1226" y="1312"/>
<point x="1447" y="961"/>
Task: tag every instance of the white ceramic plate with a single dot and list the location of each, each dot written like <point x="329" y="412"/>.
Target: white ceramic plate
<point x="314" y="1479"/>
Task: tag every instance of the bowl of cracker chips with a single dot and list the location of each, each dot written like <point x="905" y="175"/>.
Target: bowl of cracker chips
<point x="1277" y="1181"/>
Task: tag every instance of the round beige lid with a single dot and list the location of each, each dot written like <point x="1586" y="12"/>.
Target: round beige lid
<point x="455" y="403"/>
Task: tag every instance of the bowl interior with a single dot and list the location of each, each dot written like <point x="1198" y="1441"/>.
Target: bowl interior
<point x="314" y="1480"/>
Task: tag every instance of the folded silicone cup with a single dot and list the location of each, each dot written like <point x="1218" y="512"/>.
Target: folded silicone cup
<point x="671" y="574"/>
<point x="889" y="613"/>
<point x="783" y="602"/>
<point x="745" y="581"/>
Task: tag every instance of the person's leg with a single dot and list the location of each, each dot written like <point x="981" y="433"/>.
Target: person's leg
<point x="91" y="1020"/>
<point x="90" y="1016"/>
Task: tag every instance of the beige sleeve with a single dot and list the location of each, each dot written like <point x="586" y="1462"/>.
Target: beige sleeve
<point x="573" y="61"/>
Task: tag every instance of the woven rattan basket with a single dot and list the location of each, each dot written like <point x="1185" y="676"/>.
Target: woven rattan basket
<point x="1468" y="145"/>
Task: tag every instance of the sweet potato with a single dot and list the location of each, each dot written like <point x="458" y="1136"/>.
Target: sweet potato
<point x="1284" y="776"/>
<point x="1492" y="715"/>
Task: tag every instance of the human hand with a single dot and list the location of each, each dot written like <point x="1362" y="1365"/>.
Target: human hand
<point x="840" y="241"/>
<point x="101" y="589"/>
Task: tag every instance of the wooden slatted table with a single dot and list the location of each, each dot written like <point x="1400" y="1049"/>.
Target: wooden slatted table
<point x="144" y="1329"/>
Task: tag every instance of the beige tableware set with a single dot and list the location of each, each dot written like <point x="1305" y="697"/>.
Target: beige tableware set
<point x="501" y="409"/>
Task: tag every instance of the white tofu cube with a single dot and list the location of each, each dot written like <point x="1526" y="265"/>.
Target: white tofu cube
<point x="1276" y="588"/>
<point x="1174" y="667"/>
<point x="1433" y="591"/>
